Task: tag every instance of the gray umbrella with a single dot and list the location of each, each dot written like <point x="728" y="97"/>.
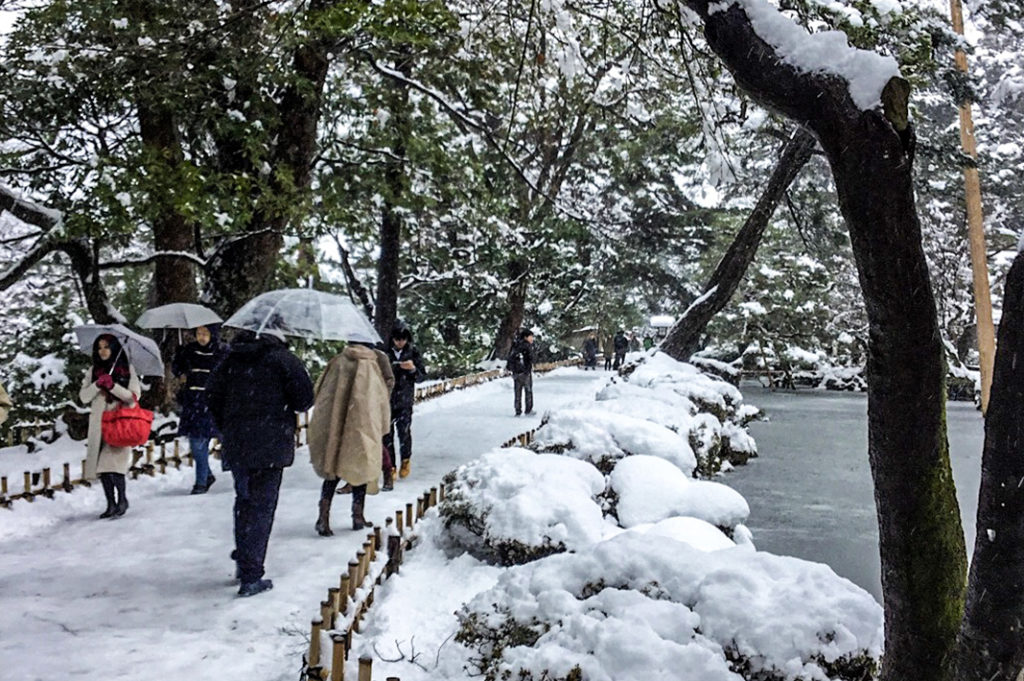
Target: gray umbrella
<point x="178" y="316"/>
<point x="305" y="313"/>
<point x="143" y="353"/>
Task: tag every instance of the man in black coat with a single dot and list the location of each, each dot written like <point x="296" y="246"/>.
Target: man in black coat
<point x="254" y="395"/>
<point x="407" y="365"/>
<point x="621" y="346"/>
<point x="520" y="363"/>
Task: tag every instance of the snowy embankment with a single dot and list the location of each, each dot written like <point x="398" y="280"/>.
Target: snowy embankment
<point x="599" y="553"/>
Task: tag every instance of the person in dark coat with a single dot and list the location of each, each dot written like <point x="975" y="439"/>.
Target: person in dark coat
<point x="590" y="352"/>
<point x="621" y="346"/>
<point x="195" y="362"/>
<point x="254" y="395"/>
<point x="520" y="363"/>
<point x="407" y="365"/>
<point x="634" y="342"/>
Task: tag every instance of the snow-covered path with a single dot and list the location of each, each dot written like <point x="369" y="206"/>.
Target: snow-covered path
<point x="151" y="595"/>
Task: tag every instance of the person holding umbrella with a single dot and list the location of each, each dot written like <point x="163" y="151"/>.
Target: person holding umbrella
<point x="195" y="362"/>
<point x="254" y="395"/>
<point x="110" y="382"/>
<point x="350" y="418"/>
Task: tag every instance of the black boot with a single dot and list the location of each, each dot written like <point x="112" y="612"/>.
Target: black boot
<point x="358" y="500"/>
<point x="323" y="523"/>
<point x="122" y="500"/>
<point x="108" y="490"/>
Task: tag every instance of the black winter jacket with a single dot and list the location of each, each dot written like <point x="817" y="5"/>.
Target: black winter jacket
<point x="520" y="357"/>
<point x="621" y="343"/>
<point x="404" y="393"/>
<point x="196" y="363"/>
<point x="254" y="395"/>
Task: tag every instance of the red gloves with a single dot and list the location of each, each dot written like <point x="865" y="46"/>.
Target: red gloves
<point x="105" y="381"/>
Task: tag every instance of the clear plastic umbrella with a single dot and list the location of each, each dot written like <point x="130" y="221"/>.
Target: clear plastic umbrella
<point x="307" y="314"/>
<point x="178" y="316"/>
<point x="143" y="353"/>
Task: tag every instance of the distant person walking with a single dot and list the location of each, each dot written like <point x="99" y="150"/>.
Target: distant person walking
<point x="196" y="362"/>
<point x="520" y="363"/>
<point x="108" y="384"/>
<point x="254" y="396"/>
<point x="621" y="344"/>
<point x="634" y="342"/>
<point x="407" y="366"/>
<point x="5" y="404"/>
<point x="590" y="352"/>
<point x="609" y="352"/>
<point x="352" y="415"/>
<point x="648" y="342"/>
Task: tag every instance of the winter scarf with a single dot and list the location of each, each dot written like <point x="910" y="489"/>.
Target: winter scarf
<point x="116" y="366"/>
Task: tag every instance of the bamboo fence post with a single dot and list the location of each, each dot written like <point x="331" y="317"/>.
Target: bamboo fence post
<point x="314" y="645"/>
<point x="440" y="492"/>
<point x="3" y="486"/>
<point x="84" y="481"/>
<point x="433" y="497"/>
<point x="365" y="668"/>
<point x="177" y="454"/>
<point x="67" y="477"/>
<point x="353" y="578"/>
<point x="28" y="485"/>
<point x="377" y="538"/>
<point x="393" y="678"/>
<point x="326" y="614"/>
<point x="419" y="509"/>
<point x="334" y="596"/>
<point x="338" y="657"/>
<point x="408" y="516"/>
<point x="398" y="521"/>
<point x="343" y="593"/>
<point x="149" y="456"/>
<point x="394" y="551"/>
<point x="361" y="566"/>
<point x="46" y="481"/>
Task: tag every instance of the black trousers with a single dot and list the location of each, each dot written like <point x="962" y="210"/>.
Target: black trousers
<point x="620" y="359"/>
<point x="256" y="492"/>
<point x="523" y="383"/>
<point x="401" y="425"/>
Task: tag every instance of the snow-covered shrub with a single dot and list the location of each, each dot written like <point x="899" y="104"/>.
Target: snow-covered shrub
<point x="646" y="607"/>
<point x="650" y="489"/>
<point x="512" y="506"/>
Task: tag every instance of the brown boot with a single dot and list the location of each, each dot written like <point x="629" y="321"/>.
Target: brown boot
<point x="389" y="479"/>
<point x="323" y="523"/>
<point x="358" y="499"/>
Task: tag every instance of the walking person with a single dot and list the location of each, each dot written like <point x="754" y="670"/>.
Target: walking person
<point x="352" y="413"/>
<point x="634" y="342"/>
<point x="520" y="363"/>
<point x="254" y="396"/>
<point x="621" y="344"/>
<point x="407" y="365"/>
<point x="590" y="353"/>
<point x="609" y="352"/>
<point x="108" y="384"/>
<point x="196" y="362"/>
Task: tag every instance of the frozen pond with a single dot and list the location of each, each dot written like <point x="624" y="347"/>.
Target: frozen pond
<point x="810" y="491"/>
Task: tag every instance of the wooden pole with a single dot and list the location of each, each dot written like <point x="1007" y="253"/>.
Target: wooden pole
<point x="975" y="226"/>
<point x="314" y="644"/>
<point x="3" y="486"/>
<point x="433" y="497"/>
<point x="365" y="668"/>
<point x="28" y="485"/>
<point x="353" y="578"/>
<point x="343" y="592"/>
<point x="334" y="596"/>
<point x="408" y="516"/>
<point x="398" y="521"/>
<point x="67" y="477"/>
<point x="326" y="614"/>
<point x="338" y="657"/>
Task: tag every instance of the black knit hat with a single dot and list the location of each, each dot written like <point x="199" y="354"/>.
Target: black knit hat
<point x="525" y="333"/>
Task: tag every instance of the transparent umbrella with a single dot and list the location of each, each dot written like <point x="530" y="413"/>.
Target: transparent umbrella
<point x="178" y="316"/>
<point x="307" y="314"/>
<point x="143" y="353"/>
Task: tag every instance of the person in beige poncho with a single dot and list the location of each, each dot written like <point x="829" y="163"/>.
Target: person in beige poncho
<point x="351" y="414"/>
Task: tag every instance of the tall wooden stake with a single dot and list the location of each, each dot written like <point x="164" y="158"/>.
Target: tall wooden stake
<point x="975" y="226"/>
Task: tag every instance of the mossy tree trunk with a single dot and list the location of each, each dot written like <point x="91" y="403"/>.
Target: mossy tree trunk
<point x="683" y="338"/>
<point x="992" y="634"/>
<point x="871" y="155"/>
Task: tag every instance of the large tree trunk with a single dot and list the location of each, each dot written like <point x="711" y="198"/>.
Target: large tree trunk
<point x="992" y="634"/>
<point x="871" y="154"/>
<point x="515" y="312"/>
<point x="683" y="338"/>
<point x="388" y="265"/>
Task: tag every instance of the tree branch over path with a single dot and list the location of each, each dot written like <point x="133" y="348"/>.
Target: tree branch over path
<point x="869" y="144"/>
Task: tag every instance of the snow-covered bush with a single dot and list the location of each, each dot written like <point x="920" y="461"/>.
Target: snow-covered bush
<point x="706" y="416"/>
<point x="649" y="608"/>
<point x="512" y="506"/>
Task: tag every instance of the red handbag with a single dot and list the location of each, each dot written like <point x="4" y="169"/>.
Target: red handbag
<point x="127" y="426"/>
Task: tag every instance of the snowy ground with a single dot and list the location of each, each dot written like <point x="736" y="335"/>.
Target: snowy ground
<point x="152" y="595"/>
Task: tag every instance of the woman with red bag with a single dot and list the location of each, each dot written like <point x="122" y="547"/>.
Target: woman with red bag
<point x="110" y="384"/>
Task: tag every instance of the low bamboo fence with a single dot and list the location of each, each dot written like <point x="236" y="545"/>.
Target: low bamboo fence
<point x="156" y="458"/>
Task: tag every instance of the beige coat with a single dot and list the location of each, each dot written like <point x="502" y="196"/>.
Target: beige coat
<point x="100" y="457"/>
<point x="5" y="404"/>
<point x="351" y="414"/>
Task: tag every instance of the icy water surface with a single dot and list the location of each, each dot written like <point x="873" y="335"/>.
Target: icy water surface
<point x="810" y="491"/>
